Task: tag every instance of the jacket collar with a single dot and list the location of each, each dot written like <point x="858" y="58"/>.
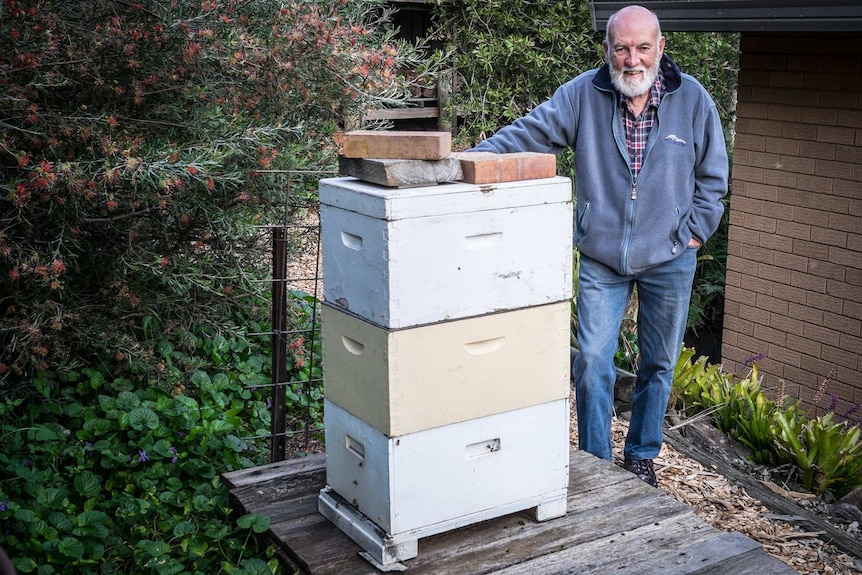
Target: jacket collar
<point x="672" y="75"/>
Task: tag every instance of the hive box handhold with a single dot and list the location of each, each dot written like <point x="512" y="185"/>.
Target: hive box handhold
<point x="404" y="145"/>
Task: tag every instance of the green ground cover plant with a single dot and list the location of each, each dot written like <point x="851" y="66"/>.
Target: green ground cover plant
<point x="104" y="475"/>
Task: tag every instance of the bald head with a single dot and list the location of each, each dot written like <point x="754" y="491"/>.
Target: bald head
<point x="632" y="17"/>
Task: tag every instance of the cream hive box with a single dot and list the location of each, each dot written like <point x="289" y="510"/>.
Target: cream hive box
<point x="388" y="492"/>
<point x="401" y="257"/>
<point x="409" y="380"/>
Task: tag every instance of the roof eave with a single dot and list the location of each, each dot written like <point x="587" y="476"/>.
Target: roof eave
<point x="743" y="15"/>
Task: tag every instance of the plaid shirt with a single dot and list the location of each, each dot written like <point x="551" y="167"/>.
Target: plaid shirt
<point x="637" y="129"/>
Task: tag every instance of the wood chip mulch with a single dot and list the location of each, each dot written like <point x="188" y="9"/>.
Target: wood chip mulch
<point x="728" y="507"/>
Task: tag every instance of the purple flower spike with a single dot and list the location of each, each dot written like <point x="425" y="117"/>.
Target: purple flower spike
<point x="142" y="456"/>
<point x="753" y="359"/>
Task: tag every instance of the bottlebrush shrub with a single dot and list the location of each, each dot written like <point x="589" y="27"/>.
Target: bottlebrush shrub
<point x="137" y="147"/>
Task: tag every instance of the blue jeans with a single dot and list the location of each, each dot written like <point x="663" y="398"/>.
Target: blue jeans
<point x="663" y="298"/>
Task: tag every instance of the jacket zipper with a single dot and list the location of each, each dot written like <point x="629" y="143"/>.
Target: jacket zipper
<point x="629" y="224"/>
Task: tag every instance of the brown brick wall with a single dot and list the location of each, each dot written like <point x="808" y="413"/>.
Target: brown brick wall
<point x="794" y="266"/>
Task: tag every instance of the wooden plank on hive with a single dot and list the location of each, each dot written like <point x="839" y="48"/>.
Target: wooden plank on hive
<point x="402" y="113"/>
<point x="405" y="145"/>
<point x="397" y="173"/>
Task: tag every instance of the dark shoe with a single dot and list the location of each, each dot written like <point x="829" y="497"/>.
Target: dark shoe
<point x="643" y="469"/>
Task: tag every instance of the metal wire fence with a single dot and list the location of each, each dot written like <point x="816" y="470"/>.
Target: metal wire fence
<point x="295" y="295"/>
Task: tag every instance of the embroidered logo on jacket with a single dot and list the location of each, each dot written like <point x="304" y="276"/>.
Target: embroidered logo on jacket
<point x="674" y="139"/>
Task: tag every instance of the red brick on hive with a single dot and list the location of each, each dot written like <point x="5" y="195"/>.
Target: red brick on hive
<point x="490" y="168"/>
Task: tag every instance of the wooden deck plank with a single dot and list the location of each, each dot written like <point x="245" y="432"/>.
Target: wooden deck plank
<point x="491" y="545"/>
<point x="755" y="562"/>
<point x="289" y="509"/>
<point x="274" y="490"/>
<point x="278" y="470"/>
<point x="614" y="523"/>
<point x="517" y="540"/>
<point x="681" y="545"/>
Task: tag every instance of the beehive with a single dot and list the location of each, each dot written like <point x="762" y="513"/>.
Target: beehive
<point x="408" y="380"/>
<point x="407" y="257"/>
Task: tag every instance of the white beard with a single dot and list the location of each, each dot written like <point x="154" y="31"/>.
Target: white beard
<point x="630" y="87"/>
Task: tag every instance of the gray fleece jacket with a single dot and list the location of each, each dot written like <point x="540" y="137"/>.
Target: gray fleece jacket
<point x="632" y="225"/>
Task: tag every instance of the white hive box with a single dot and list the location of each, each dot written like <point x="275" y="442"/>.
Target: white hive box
<point x="386" y="493"/>
<point x="408" y="380"/>
<point x="407" y="257"/>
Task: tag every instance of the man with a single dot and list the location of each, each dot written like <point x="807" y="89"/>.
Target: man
<point x="651" y="170"/>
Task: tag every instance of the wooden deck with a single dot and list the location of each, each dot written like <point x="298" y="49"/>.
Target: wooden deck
<point x="615" y="524"/>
